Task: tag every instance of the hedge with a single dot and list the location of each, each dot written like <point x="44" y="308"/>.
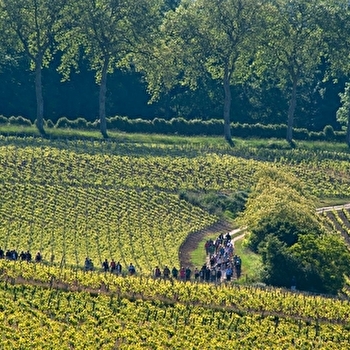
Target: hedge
<point x="181" y="126"/>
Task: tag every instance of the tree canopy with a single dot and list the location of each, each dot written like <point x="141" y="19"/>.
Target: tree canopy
<point x="284" y="228"/>
<point x="237" y="60"/>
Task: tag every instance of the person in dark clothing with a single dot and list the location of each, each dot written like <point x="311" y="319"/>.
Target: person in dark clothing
<point x="202" y="273"/>
<point x="38" y="257"/>
<point x="175" y="272"/>
<point x="188" y="274"/>
<point x="207" y="274"/>
<point x="196" y="274"/>
<point x="131" y="269"/>
<point x="218" y="275"/>
<point x="166" y="272"/>
<point x="157" y="272"/>
<point x="105" y="265"/>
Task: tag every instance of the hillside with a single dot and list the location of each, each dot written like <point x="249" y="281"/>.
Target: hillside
<point x="129" y="201"/>
<point x="72" y="199"/>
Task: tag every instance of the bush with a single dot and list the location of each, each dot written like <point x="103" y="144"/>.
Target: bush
<point x="141" y="125"/>
<point x="328" y="132"/>
<point x="217" y="203"/>
<point x="79" y="123"/>
<point x="118" y="123"/>
<point x="301" y="134"/>
<point x="19" y="121"/>
<point x="49" y="123"/>
<point x="62" y="122"/>
<point x="180" y="126"/>
<point x="93" y="125"/>
<point x="316" y="136"/>
<point x="161" y="126"/>
<point x="3" y="120"/>
<point x="340" y="136"/>
<point x="214" y="127"/>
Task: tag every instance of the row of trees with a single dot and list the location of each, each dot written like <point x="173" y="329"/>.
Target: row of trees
<point x="192" y="45"/>
<point x="285" y="229"/>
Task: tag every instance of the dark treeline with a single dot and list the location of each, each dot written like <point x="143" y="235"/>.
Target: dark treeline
<point x="269" y="62"/>
<point x="127" y="96"/>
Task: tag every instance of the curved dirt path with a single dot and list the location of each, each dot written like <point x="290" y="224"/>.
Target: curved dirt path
<point x="193" y="240"/>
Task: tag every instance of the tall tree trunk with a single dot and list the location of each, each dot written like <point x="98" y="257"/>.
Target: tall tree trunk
<point x="348" y="130"/>
<point x="291" y="110"/>
<point x="39" y="96"/>
<point x="102" y="99"/>
<point x="167" y="106"/>
<point x="227" y="107"/>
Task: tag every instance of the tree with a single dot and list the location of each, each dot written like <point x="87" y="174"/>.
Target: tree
<point x="323" y="262"/>
<point x="201" y="37"/>
<point x="336" y="25"/>
<point x="319" y="263"/>
<point x="35" y="24"/>
<point x="280" y="206"/>
<point x="343" y="113"/>
<point x="285" y="229"/>
<point x="292" y="45"/>
<point x="278" y="263"/>
<point x="108" y="33"/>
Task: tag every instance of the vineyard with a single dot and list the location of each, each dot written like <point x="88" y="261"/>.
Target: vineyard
<point x="70" y="199"/>
<point x="87" y="310"/>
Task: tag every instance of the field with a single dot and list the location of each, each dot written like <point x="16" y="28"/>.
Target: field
<point x="122" y="199"/>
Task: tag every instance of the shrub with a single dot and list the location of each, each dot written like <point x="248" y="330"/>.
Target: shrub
<point x="19" y="121"/>
<point x="141" y="125"/>
<point x="3" y="120"/>
<point x="93" y="125"/>
<point x="301" y="134"/>
<point x="180" y="126"/>
<point x="118" y="123"/>
<point x="214" y="127"/>
<point x="161" y="126"/>
<point x="339" y="136"/>
<point x="62" y="122"/>
<point x="316" y="136"/>
<point x="329" y="132"/>
<point x="79" y="123"/>
<point x="49" y="123"/>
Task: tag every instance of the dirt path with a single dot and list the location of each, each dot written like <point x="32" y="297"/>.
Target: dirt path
<point x="193" y="240"/>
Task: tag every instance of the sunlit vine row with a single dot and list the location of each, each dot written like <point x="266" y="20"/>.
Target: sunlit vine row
<point x="33" y="317"/>
<point x="244" y="298"/>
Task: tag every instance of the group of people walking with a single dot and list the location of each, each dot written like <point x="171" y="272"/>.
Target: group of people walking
<point x="112" y="267"/>
<point x="184" y="274"/>
<point x="22" y="256"/>
<point x="222" y="263"/>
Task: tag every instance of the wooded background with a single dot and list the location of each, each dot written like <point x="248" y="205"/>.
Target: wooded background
<point x="269" y="62"/>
